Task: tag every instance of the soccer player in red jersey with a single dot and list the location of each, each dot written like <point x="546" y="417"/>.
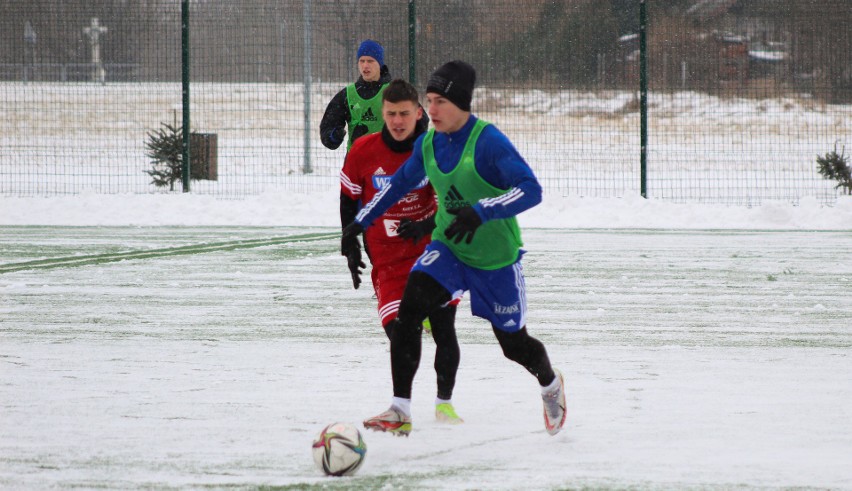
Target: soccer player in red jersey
<point x="403" y="231"/>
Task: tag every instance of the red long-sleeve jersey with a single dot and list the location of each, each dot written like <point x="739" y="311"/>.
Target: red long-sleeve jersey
<point x="368" y="167"/>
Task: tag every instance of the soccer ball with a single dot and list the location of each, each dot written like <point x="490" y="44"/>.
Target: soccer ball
<point x="339" y="449"/>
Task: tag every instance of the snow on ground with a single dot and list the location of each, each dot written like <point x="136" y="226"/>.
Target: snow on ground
<point x="320" y="209"/>
<point x="704" y="347"/>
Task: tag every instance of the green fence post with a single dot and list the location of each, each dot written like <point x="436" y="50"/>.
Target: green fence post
<point x="306" y="60"/>
<point x="412" y="40"/>
<point x="184" y="14"/>
<point x="643" y="102"/>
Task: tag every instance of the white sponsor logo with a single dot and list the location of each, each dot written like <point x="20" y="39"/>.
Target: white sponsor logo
<point x="391" y="227"/>
<point x="409" y="198"/>
<point x="379" y="182"/>
<point x="507" y="309"/>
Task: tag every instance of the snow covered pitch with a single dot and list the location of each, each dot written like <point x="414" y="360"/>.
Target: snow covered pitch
<point x="209" y="357"/>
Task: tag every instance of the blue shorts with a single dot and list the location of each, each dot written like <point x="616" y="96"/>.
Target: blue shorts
<point x="498" y="296"/>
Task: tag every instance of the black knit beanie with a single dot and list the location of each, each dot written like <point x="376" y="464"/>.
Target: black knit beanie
<point x="454" y="80"/>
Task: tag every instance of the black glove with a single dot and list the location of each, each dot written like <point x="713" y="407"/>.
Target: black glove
<point x="359" y="131"/>
<point x="351" y="248"/>
<point x="353" y="260"/>
<point x="464" y="225"/>
<point x="415" y="230"/>
<point x="336" y="135"/>
<point x="349" y="237"/>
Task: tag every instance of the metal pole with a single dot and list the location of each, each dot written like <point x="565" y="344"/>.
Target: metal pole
<point x="184" y="14"/>
<point x="643" y="101"/>
<point x="29" y="41"/>
<point x="307" y="87"/>
<point x="283" y="56"/>
<point x="412" y="42"/>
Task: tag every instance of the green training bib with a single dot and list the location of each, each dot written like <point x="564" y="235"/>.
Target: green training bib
<point x="496" y="243"/>
<point x="367" y="112"/>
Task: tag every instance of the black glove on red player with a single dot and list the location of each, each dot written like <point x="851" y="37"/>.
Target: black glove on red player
<point x="351" y="248"/>
<point x="415" y="230"/>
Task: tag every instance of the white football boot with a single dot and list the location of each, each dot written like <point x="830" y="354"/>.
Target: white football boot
<point x="554" y="406"/>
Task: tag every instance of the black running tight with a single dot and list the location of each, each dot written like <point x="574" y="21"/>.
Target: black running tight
<point x="423" y="296"/>
<point x="527" y="351"/>
<point x="447" y="352"/>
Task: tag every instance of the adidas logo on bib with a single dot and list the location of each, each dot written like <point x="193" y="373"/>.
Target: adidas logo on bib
<point x="369" y="116"/>
<point x="454" y="199"/>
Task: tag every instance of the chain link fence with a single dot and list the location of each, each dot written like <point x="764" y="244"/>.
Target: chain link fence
<point x="742" y="95"/>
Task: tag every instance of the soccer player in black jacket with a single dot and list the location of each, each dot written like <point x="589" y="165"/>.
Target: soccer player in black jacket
<point x="358" y="105"/>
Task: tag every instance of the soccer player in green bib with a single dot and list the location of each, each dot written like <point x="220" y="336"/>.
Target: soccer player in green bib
<point x="482" y="184"/>
<point x="357" y="106"/>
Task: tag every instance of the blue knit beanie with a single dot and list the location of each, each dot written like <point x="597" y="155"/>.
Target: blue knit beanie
<point x="373" y="49"/>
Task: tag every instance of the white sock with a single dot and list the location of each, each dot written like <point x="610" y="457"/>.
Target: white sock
<point x="550" y="388"/>
<point x="403" y="405"/>
<point x="438" y="400"/>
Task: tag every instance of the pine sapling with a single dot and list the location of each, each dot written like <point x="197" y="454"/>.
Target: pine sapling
<point x="836" y="166"/>
<point x="165" y="149"/>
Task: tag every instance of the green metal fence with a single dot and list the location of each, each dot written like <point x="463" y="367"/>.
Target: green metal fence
<point x="742" y="96"/>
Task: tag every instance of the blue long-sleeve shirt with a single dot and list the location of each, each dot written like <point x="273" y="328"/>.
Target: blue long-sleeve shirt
<point x="496" y="160"/>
